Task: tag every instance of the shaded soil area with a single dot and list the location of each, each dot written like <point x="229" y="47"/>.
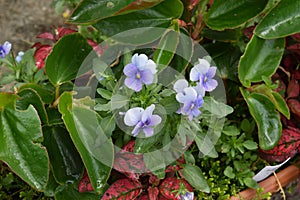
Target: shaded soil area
<point x="22" y="20"/>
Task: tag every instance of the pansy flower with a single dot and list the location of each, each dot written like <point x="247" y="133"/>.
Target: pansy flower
<point x="191" y="98"/>
<point x="203" y="74"/>
<point x="187" y="196"/>
<point x="5" y="49"/>
<point x="19" y="56"/>
<point x="140" y="71"/>
<point x="142" y="120"/>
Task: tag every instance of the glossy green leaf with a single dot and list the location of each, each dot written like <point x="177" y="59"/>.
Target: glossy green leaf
<point x="275" y="97"/>
<point x="65" y="161"/>
<point x="281" y="104"/>
<point x="266" y="117"/>
<point x="31" y="97"/>
<point x="20" y="148"/>
<point x="228" y="35"/>
<point x="282" y="20"/>
<point x="194" y="176"/>
<point x="184" y="51"/>
<point x="232" y="13"/>
<point x="89" y="11"/>
<point x="46" y="92"/>
<point x="166" y="48"/>
<point x="218" y="109"/>
<point x="69" y="192"/>
<point x="261" y="59"/>
<point x="7" y="100"/>
<point x="95" y="149"/>
<point x="66" y="58"/>
<point x="139" y="26"/>
<point x="51" y="186"/>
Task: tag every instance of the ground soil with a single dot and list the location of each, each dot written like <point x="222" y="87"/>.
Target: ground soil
<point x="22" y="20"/>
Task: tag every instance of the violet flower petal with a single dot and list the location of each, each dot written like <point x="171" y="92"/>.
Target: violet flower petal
<point x="180" y="85"/>
<point x="133" y="116"/>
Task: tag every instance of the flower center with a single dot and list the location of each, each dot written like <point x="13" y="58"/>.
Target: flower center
<point x="205" y="79"/>
<point x="192" y="106"/>
<point x="138" y="75"/>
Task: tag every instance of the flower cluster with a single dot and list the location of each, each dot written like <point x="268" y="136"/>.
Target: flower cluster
<point x="191" y="97"/>
<point x="141" y="71"/>
<point x="5" y="49"/>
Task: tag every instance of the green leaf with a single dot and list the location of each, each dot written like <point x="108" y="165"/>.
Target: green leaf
<point x="281" y="104"/>
<point x="228" y="35"/>
<point x="89" y="11"/>
<point x="275" y="97"/>
<point x="7" y="100"/>
<point x="282" y="20"/>
<point x="51" y="186"/>
<point x="249" y="182"/>
<point x="66" y="58"/>
<point x="166" y="48"/>
<point x="261" y="58"/>
<point x="232" y="13"/>
<point x="184" y="51"/>
<point x="118" y="101"/>
<point x="108" y="125"/>
<point x="249" y="144"/>
<point x="65" y="161"/>
<point x="45" y="92"/>
<point x="31" y="97"/>
<point x="139" y="25"/>
<point x="20" y="148"/>
<point x="95" y="149"/>
<point x="68" y="192"/>
<point x="229" y="172"/>
<point x="194" y="176"/>
<point x="218" y="109"/>
<point x="266" y="117"/>
<point x="231" y="130"/>
<point x="106" y="94"/>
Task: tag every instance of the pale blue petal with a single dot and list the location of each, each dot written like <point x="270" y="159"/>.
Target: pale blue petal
<point x="146" y="76"/>
<point x="189" y="94"/>
<point x="155" y="120"/>
<point x="194" y="74"/>
<point x="151" y="66"/>
<point x="210" y="85"/>
<point x="130" y="70"/>
<point x="148" y="131"/>
<point x="211" y="72"/>
<point x="180" y="85"/>
<point x="133" y="116"/>
<point x="7" y="47"/>
<point x="134" y="84"/>
<point x="200" y="90"/>
<point x="148" y="113"/>
<point x="137" y="129"/>
<point x="140" y="61"/>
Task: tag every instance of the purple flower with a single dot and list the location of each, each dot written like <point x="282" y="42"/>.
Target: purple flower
<point x="203" y="73"/>
<point x="143" y="120"/>
<point x="19" y="56"/>
<point x="191" y="98"/>
<point x="187" y="196"/>
<point x="5" y="49"/>
<point x="140" y="71"/>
